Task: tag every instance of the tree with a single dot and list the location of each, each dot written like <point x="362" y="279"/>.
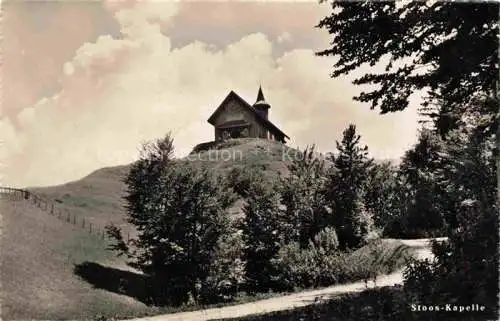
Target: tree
<point x="264" y="231"/>
<point x="179" y="212"/>
<point x="449" y="48"/>
<point x="303" y="196"/>
<point x="426" y="207"/>
<point x="346" y="187"/>
<point x="381" y="195"/>
<point x="466" y="267"/>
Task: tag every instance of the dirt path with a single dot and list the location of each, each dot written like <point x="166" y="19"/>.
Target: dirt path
<point x="293" y="300"/>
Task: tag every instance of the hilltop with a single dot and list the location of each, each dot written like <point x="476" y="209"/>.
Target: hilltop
<point x="99" y="196"/>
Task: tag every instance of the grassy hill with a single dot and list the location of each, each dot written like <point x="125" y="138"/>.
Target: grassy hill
<point x="52" y="269"/>
<point x="98" y="197"/>
<point x="39" y="254"/>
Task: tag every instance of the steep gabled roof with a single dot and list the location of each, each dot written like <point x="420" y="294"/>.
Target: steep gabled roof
<point x="259" y="118"/>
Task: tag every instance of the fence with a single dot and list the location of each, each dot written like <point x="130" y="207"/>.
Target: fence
<point x="52" y="208"/>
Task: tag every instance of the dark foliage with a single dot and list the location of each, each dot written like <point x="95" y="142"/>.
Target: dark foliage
<point x="180" y="214"/>
<point x="466" y="267"/>
<point x="382" y="195"/>
<point x="450" y="48"/>
<point x="303" y="195"/>
<point x="264" y="227"/>
<point x="424" y="203"/>
<point x="346" y="186"/>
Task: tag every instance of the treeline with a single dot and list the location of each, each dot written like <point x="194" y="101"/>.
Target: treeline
<point x="445" y="185"/>
<point x="447" y="51"/>
<point x="303" y="230"/>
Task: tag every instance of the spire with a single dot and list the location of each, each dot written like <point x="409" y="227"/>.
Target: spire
<point x="260" y="96"/>
<point x="260" y="99"/>
<point x="261" y="105"/>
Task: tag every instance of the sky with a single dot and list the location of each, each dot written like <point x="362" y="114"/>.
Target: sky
<point x="84" y="83"/>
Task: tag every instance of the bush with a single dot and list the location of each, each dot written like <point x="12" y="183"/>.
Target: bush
<point x="296" y="267"/>
<point x="322" y="264"/>
<point x="227" y="272"/>
<point x="316" y="265"/>
<point x="241" y="178"/>
<point x="326" y="241"/>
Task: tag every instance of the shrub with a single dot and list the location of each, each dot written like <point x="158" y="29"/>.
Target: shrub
<point x="227" y="272"/>
<point x="326" y="241"/>
<point x="296" y="267"/>
<point x="241" y="178"/>
<point x="322" y="264"/>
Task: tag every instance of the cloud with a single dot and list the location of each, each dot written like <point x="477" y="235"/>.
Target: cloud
<point x="118" y="92"/>
<point x="39" y="37"/>
<point x="284" y="37"/>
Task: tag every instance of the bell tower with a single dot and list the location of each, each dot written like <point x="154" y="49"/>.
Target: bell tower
<point x="261" y="106"/>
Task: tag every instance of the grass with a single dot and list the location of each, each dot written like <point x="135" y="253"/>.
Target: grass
<point x="383" y="256"/>
<point x="38" y="254"/>
<point x="98" y="197"/>
<point x="269" y="156"/>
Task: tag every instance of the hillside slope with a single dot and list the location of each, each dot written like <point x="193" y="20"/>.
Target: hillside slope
<point x="99" y="196"/>
<point x="39" y="255"/>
